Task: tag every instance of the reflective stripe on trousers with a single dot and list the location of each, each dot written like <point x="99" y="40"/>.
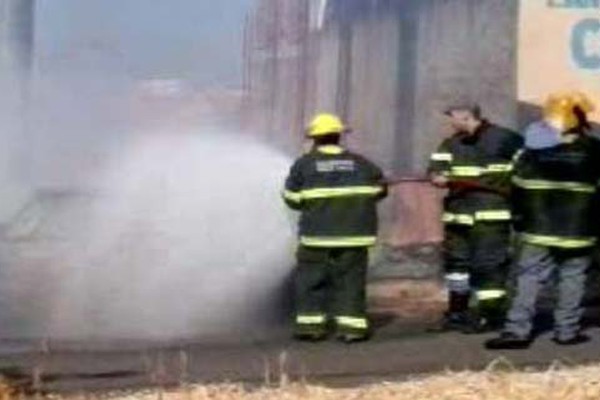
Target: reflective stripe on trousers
<point x="458" y="282"/>
<point x="459" y="219"/>
<point x="311" y="319"/>
<point x="352" y="322"/>
<point x="350" y="241"/>
<point x="468" y="219"/>
<point x="489" y="294"/>
<point x="493" y="215"/>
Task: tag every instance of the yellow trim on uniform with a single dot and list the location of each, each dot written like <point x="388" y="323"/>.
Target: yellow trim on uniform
<point x="537" y="184"/>
<point x="330" y="149"/>
<point x="352" y="322"/>
<point x="505" y="167"/>
<point x="458" y="276"/>
<point x="350" y="241"/>
<point x="493" y="215"/>
<point x="466" y="171"/>
<point x="558" y="241"/>
<point x="490" y="294"/>
<point x="459" y="219"/>
<point x="324" y="193"/>
<point x="476" y="171"/>
<point x="468" y="219"/>
<point x="442" y="157"/>
<point x="292" y="196"/>
<point x="311" y="319"/>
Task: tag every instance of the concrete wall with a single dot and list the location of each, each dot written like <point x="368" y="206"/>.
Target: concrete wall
<point x="373" y="93"/>
<point x="16" y="42"/>
<point x="466" y="48"/>
<point x="277" y="56"/>
<point x="357" y="76"/>
<point x="326" y="70"/>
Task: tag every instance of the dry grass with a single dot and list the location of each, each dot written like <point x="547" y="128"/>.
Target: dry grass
<point x="495" y="384"/>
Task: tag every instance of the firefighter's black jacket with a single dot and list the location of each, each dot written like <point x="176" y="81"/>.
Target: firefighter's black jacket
<point x="554" y="194"/>
<point x="478" y="167"/>
<point x="336" y="192"/>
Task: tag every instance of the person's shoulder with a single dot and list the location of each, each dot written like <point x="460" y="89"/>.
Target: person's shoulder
<point x="503" y="131"/>
<point x="539" y="135"/>
<point x="360" y="158"/>
<point x="355" y="155"/>
<point x="541" y="124"/>
<point x="451" y="139"/>
<point x="303" y="160"/>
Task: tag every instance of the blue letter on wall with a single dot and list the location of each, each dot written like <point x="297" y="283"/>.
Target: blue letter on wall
<point x="585" y="44"/>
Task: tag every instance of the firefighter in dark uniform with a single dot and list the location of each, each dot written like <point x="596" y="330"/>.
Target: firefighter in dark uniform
<point x="555" y="183"/>
<point x="336" y="192"/>
<point x="474" y="165"/>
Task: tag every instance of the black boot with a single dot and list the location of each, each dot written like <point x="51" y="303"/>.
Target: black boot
<point x="457" y="321"/>
<point x="311" y="333"/>
<point x="457" y="317"/>
<point x="575" y="340"/>
<point x="476" y="323"/>
<point x="352" y="337"/>
<point x="508" y="341"/>
<point x="487" y="317"/>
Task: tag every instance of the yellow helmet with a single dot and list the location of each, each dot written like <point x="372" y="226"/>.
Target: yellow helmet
<point x="559" y="109"/>
<point x="325" y="124"/>
<point x="583" y="102"/>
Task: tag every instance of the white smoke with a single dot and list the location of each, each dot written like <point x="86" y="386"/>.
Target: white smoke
<point x="189" y="238"/>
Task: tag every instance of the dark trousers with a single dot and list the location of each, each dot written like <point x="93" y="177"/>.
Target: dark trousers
<point x="330" y="285"/>
<point x="477" y="262"/>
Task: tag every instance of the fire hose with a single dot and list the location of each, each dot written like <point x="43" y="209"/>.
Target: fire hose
<point x="453" y="185"/>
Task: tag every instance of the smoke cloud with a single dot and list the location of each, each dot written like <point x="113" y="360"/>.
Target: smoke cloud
<point x="147" y="214"/>
<point x="185" y="237"/>
<point x="190" y="238"/>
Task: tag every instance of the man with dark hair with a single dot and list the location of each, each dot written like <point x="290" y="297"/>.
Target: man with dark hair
<point x="336" y="192"/>
<point x="474" y="166"/>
